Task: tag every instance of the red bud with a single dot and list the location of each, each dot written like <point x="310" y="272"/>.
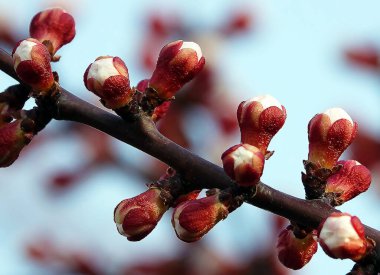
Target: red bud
<point x="330" y="133"/>
<point x="351" y="180"/>
<point x="193" y="219"/>
<point x="53" y="25"/>
<point x="244" y="163"/>
<point x="108" y="78"/>
<point x="31" y="62"/>
<point x="293" y="252"/>
<point x="342" y="236"/>
<point x="260" y="118"/>
<point x="136" y="217"/>
<point x="177" y="64"/>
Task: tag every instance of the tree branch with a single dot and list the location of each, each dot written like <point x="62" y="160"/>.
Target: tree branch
<point x="143" y="135"/>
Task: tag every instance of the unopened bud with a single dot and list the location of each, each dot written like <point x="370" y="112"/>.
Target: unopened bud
<point x="342" y="236"/>
<point x="193" y="219"/>
<point x="31" y="62"/>
<point x="177" y="64"/>
<point x="260" y="118"/>
<point x="293" y="252"/>
<point x="54" y="27"/>
<point x="330" y="133"/>
<point x="12" y="140"/>
<point x="244" y="163"/>
<point x="136" y="217"/>
<point x="108" y="78"/>
<point x="351" y="180"/>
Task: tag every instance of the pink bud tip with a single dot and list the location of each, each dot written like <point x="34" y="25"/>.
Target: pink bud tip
<point x="330" y="133"/>
<point x="351" y="180"/>
<point x="31" y="62"/>
<point x="295" y="253"/>
<point x="193" y="219"/>
<point x="108" y="78"/>
<point x="178" y="63"/>
<point x="142" y="85"/>
<point x="55" y="26"/>
<point x="244" y="163"/>
<point x="342" y="236"/>
<point x="260" y="118"/>
<point x="12" y="140"/>
<point x="136" y="217"/>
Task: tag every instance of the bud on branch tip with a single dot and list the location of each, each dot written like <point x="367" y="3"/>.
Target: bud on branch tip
<point x="136" y="217"/>
<point x="330" y="133"/>
<point x="194" y="218"/>
<point x="244" y="163"/>
<point x="293" y="252"/>
<point x="12" y="140"/>
<point x="178" y="63"/>
<point x="342" y="236"/>
<point x="108" y="78"/>
<point x="53" y="27"/>
<point x="31" y="62"/>
<point x="351" y="180"/>
<point x="260" y="118"/>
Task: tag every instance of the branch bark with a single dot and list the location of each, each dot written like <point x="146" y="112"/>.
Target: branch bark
<point x="143" y="135"/>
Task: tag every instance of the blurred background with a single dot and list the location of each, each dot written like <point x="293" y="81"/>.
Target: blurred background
<point x="57" y="200"/>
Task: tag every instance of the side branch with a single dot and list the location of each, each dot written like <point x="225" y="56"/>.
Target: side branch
<point x="200" y="173"/>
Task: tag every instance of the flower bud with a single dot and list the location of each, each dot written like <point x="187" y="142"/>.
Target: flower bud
<point x="193" y="219"/>
<point x="260" y="118"/>
<point x="178" y="63"/>
<point x="13" y="138"/>
<point x="31" y="62"/>
<point x="244" y="163"/>
<point x="330" y="133"/>
<point x="108" y="78"/>
<point x="293" y="252"/>
<point x="136" y="217"/>
<point x="351" y="180"/>
<point x="54" y="27"/>
<point x="342" y="236"/>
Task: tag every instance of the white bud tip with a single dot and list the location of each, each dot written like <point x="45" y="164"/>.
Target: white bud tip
<point x="242" y="156"/>
<point x="54" y="8"/>
<point x="177" y="227"/>
<point x="24" y="50"/>
<point x="337" y="113"/>
<point x="338" y="231"/>
<point x="194" y="46"/>
<point x="120" y="228"/>
<point x="265" y="100"/>
<point x="102" y="69"/>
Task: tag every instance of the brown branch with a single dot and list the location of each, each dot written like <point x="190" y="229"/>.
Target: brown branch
<point x="142" y="134"/>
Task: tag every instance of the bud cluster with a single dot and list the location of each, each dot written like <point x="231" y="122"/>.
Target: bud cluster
<point x="260" y="118"/>
<point x="192" y="218"/>
<point x="49" y="31"/>
<point x="178" y="63"/>
<point x="330" y="133"/>
<point x="341" y="236"/>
